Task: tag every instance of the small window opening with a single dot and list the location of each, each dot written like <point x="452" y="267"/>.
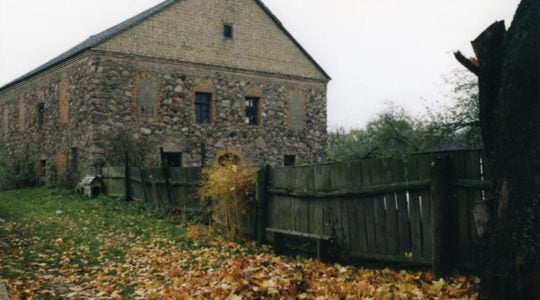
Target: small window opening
<point x="252" y="111"/>
<point x="174" y="159"/>
<point x="42" y="169"/>
<point x="289" y="160"/>
<point x="202" y="107"/>
<point x="40" y="114"/>
<point x="228" y="31"/>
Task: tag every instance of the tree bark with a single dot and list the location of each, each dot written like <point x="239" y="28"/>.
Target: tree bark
<point x="509" y="86"/>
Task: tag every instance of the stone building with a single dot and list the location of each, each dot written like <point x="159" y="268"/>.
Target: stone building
<point x="201" y="78"/>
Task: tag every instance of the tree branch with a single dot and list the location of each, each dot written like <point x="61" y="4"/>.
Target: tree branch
<point x="466" y="63"/>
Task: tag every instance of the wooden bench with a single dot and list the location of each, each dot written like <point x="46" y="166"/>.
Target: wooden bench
<point x="323" y="241"/>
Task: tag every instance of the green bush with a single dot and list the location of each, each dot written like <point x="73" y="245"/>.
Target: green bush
<point x="16" y="171"/>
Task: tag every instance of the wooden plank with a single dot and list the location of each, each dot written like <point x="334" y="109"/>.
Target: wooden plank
<point x="301" y="214"/>
<point x="369" y="205"/>
<point x="370" y="190"/>
<point x="303" y="178"/>
<point x="332" y="220"/>
<point x="261" y="201"/>
<point x="392" y="232"/>
<point x="419" y="168"/>
<point x="316" y="217"/>
<point x="352" y="223"/>
<point x="323" y="178"/>
<point x="403" y="224"/>
<point x="427" y="227"/>
<point x="271" y="213"/>
<point x="416" y="225"/>
<point x="360" y="239"/>
<point x="299" y="233"/>
<point x="345" y="206"/>
<point x="379" y="214"/>
<point x="386" y="258"/>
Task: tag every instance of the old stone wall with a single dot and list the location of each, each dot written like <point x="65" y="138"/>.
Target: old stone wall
<point x="45" y="117"/>
<point x="292" y="112"/>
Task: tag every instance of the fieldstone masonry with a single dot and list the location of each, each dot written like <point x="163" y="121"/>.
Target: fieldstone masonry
<point x="142" y="81"/>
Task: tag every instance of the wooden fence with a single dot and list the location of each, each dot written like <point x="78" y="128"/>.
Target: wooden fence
<point x="381" y="210"/>
<point x="175" y="193"/>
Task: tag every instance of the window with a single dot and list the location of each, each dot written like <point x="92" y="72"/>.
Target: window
<point x="228" y="31"/>
<point x="42" y="169"/>
<point x="173" y="159"/>
<point x="252" y="111"/>
<point x="289" y="160"/>
<point x="40" y="114"/>
<point x="202" y="107"/>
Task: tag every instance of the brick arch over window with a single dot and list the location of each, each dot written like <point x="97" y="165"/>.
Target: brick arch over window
<point x="146" y="92"/>
<point x="203" y="89"/>
<point x="253" y="90"/>
<point x="296" y="111"/>
<point x="229" y="155"/>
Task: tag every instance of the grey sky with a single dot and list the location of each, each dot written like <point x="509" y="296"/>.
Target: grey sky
<point x="376" y="51"/>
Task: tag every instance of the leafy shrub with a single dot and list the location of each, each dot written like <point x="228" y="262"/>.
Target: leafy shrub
<point x="16" y="171"/>
<point x="231" y="188"/>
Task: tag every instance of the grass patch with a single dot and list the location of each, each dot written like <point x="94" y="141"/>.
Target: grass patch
<point x="56" y="232"/>
<point x="57" y="245"/>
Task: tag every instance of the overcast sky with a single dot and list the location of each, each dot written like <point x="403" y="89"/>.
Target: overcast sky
<point x="376" y="51"/>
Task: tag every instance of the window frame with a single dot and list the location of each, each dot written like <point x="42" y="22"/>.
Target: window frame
<point x="228" y="31"/>
<point x="252" y="112"/>
<point x="197" y="104"/>
<point x="289" y="160"/>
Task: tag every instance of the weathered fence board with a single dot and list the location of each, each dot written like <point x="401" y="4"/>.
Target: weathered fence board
<point x="378" y="209"/>
<point x="149" y="185"/>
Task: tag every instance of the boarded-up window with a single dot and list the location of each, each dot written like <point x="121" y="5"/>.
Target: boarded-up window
<point x="147" y="96"/>
<point x="22" y="115"/>
<point x="64" y="99"/>
<point x="61" y="161"/>
<point x="295" y="112"/>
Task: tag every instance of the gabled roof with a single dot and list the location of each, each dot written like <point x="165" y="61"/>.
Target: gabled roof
<point x="101" y="37"/>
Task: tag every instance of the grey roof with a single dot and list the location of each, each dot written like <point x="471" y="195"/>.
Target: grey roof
<point x="103" y="36"/>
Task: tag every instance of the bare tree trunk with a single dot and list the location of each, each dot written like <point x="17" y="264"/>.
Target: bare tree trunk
<point x="508" y="72"/>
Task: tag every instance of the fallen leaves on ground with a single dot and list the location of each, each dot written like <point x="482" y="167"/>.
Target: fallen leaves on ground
<point x="125" y="266"/>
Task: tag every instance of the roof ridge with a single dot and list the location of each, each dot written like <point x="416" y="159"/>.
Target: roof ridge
<point x="94" y="40"/>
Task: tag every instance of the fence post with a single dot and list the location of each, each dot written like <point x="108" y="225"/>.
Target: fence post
<point x="167" y="175"/>
<point x="441" y="177"/>
<point x="127" y="193"/>
<point x="262" y="203"/>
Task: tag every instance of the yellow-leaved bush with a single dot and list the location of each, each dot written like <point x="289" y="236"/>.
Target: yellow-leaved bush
<point x="230" y="187"/>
